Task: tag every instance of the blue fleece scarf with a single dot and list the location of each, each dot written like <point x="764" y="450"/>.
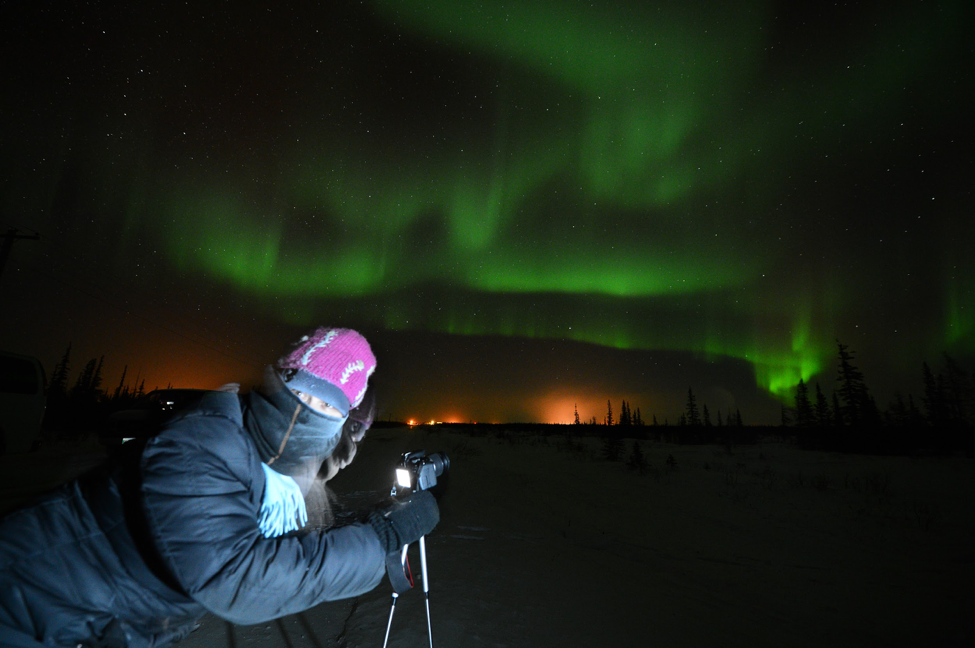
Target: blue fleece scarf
<point x="283" y="507"/>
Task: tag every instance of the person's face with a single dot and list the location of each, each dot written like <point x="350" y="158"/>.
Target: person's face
<point x="317" y="404"/>
<point x="353" y="434"/>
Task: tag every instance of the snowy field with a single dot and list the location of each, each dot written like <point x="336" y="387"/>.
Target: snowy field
<point x="543" y="543"/>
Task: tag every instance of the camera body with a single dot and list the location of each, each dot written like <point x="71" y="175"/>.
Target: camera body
<point x="418" y="471"/>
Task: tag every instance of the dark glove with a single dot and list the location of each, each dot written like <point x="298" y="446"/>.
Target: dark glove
<point x="405" y="521"/>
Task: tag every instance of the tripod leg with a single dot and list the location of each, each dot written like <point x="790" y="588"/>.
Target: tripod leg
<point x="392" y="608"/>
<point x="389" y="624"/>
<point x="426" y="585"/>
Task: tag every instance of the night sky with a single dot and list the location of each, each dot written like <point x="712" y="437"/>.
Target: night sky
<point x="524" y="205"/>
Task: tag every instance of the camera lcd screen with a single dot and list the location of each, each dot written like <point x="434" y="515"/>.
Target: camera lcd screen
<point x="403" y="478"/>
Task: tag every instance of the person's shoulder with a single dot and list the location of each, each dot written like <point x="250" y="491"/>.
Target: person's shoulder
<point x="211" y="426"/>
<point x="211" y="404"/>
<point x="214" y="418"/>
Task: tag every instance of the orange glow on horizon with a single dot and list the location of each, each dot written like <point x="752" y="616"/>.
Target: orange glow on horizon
<point x="436" y="420"/>
<point x="556" y="408"/>
<point x="560" y="408"/>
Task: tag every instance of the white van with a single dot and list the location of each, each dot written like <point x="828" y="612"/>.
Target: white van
<point x="22" y="402"/>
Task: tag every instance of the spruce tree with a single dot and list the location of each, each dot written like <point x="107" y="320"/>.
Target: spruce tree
<point x="96" y="379"/>
<point x="897" y="414"/>
<point x="870" y="413"/>
<point x="823" y="416"/>
<point x="58" y="389"/>
<point x="693" y="415"/>
<point x="853" y="390"/>
<point x="82" y="387"/>
<point x="612" y="446"/>
<point x="914" y="414"/>
<point x="931" y="398"/>
<point x="958" y="394"/>
<point x="637" y="460"/>
<point x="121" y="385"/>
<point x="624" y="414"/>
<point x="804" y="410"/>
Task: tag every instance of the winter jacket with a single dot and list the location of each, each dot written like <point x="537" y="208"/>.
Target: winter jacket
<point x="135" y="553"/>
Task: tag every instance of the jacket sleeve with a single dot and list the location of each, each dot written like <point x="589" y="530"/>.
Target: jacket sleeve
<point x="201" y="490"/>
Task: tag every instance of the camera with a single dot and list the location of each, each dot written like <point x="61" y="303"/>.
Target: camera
<point x="418" y="471"/>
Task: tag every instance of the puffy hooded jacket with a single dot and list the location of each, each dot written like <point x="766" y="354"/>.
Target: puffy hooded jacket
<point x="135" y="553"/>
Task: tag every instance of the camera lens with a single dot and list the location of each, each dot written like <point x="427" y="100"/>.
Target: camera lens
<point x="440" y="462"/>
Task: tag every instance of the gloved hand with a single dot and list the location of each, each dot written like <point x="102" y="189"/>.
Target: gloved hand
<point x="405" y="521"/>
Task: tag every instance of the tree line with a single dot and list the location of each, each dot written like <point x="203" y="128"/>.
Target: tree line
<point x="849" y="416"/>
<point x="75" y="408"/>
<point x="945" y="412"/>
<point x="948" y="401"/>
<point x="691" y="416"/>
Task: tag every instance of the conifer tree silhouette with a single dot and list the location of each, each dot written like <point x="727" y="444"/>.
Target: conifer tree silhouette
<point x="823" y="416"/>
<point x="693" y="415"/>
<point x="804" y="410"/>
<point x="637" y="460"/>
<point x="119" y="391"/>
<point x="958" y="394"/>
<point x="58" y="389"/>
<point x="857" y="406"/>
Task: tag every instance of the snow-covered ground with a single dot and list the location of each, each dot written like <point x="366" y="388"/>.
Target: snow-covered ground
<point x="544" y="543"/>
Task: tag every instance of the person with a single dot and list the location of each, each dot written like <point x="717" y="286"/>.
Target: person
<point x="320" y="501"/>
<point x="208" y="515"/>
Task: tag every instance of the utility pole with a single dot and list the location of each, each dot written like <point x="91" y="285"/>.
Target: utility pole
<point x="8" y="243"/>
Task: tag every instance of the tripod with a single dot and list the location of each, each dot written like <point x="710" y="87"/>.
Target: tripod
<point x="426" y="589"/>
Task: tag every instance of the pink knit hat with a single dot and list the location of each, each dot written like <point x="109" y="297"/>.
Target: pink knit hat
<point x="333" y="364"/>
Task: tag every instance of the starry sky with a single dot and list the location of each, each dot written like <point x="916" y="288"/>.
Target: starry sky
<point x="525" y="206"/>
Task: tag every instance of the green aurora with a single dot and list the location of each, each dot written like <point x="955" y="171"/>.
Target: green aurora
<point x="634" y="175"/>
